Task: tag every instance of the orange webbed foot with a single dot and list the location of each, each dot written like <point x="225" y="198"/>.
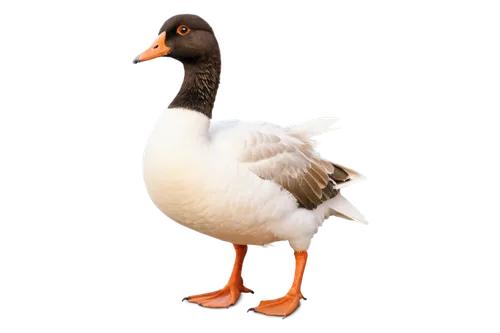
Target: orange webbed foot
<point x="283" y="306"/>
<point x="228" y="296"/>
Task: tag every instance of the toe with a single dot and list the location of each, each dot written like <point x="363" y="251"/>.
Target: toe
<point x="279" y="307"/>
<point x="246" y="290"/>
<point x="196" y="298"/>
<point x="222" y="300"/>
<point x="218" y="299"/>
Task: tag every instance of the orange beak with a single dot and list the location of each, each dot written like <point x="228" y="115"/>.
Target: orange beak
<point x="159" y="48"/>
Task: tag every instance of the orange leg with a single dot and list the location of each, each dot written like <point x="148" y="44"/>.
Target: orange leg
<point x="284" y="306"/>
<point x="231" y="292"/>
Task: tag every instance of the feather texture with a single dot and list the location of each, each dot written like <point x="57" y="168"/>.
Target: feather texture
<point x="286" y="156"/>
<point x="244" y="183"/>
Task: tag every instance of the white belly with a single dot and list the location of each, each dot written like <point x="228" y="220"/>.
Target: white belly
<point x="195" y="187"/>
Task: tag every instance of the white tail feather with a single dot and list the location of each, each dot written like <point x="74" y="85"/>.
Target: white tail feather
<point x="341" y="207"/>
<point x="312" y="127"/>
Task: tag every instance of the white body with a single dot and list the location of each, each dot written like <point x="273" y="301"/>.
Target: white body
<point x="193" y="177"/>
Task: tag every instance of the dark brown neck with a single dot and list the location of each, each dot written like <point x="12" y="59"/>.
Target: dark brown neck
<point x="201" y="81"/>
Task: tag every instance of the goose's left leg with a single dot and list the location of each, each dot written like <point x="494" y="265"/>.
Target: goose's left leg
<point x="284" y="306"/>
<point x="231" y="293"/>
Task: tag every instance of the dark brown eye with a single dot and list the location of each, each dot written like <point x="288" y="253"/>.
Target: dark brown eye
<point x="183" y="30"/>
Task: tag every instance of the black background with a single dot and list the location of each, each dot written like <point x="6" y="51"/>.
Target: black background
<point x="280" y="62"/>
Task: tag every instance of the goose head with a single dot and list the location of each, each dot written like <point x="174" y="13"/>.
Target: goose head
<point x="183" y="37"/>
<point x="190" y="40"/>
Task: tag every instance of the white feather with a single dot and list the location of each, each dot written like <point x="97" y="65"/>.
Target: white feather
<point x="312" y="127"/>
<point x="343" y="207"/>
<point x="203" y="176"/>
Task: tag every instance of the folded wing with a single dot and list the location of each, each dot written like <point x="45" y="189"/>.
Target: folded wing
<point x="285" y="156"/>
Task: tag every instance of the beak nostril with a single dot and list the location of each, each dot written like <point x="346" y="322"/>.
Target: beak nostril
<point x="155" y="47"/>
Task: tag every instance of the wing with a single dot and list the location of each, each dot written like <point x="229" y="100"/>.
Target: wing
<point x="285" y="156"/>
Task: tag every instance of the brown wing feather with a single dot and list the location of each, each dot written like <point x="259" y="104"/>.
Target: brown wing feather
<point x="339" y="174"/>
<point x="312" y="193"/>
<point x="311" y="182"/>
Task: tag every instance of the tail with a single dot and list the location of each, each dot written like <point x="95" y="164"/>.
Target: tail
<point x="340" y="207"/>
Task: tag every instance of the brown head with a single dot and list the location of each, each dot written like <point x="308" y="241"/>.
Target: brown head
<point x="191" y="40"/>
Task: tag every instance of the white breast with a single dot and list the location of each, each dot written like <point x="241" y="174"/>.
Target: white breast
<point x="197" y="186"/>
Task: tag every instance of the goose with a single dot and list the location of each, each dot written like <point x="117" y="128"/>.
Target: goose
<point x="247" y="183"/>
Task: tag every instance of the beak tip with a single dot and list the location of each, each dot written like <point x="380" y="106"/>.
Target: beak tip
<point x="137" y="60"/>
